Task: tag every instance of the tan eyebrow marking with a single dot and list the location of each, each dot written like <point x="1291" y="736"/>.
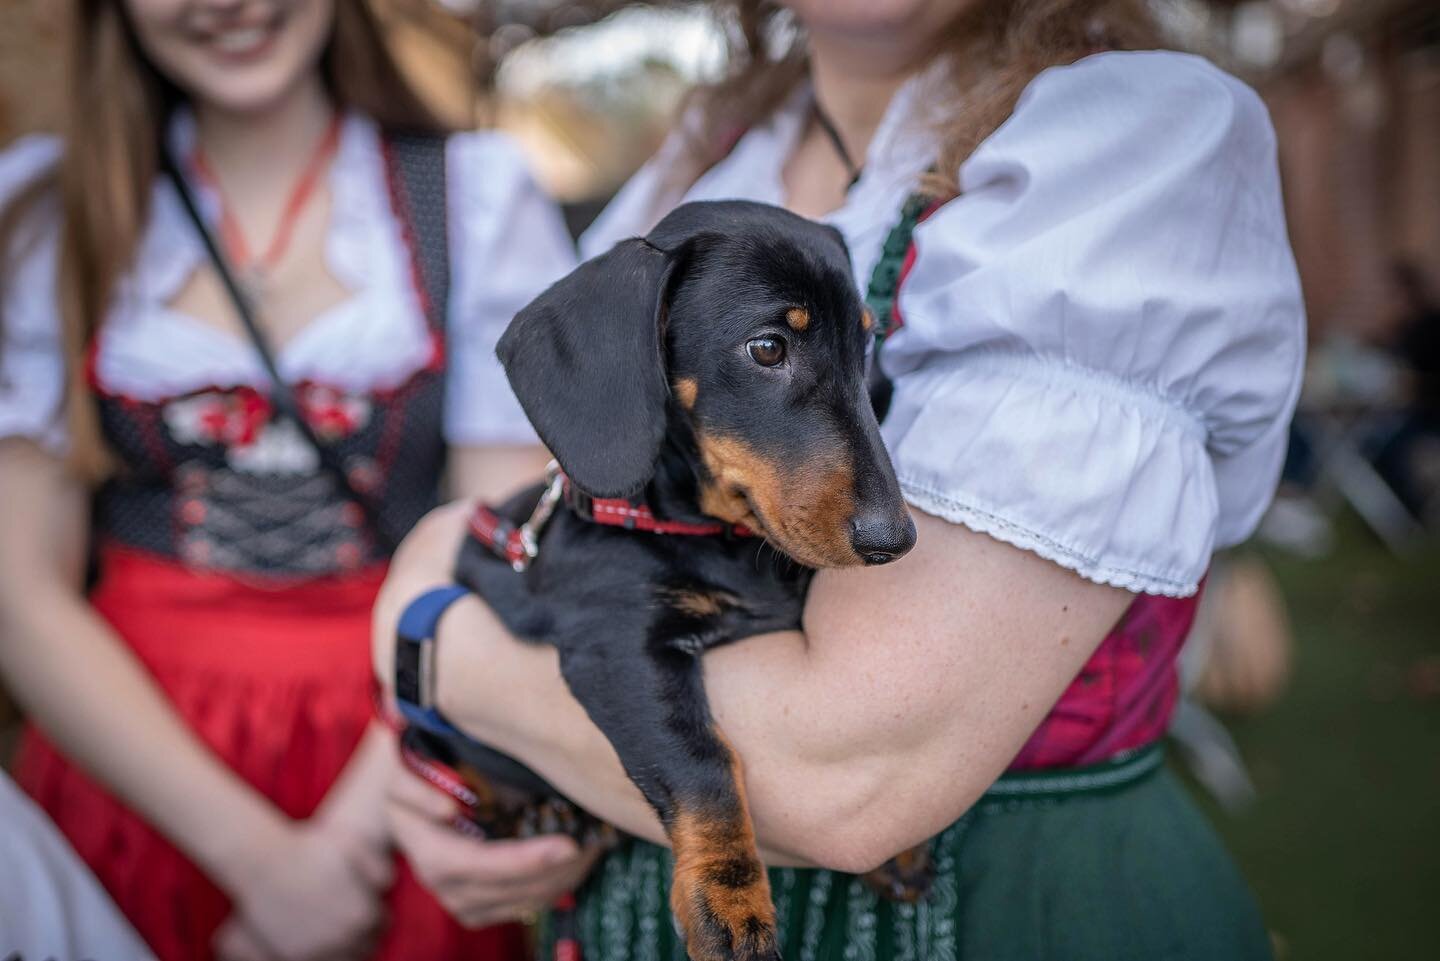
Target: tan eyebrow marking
<point x="686" y="389"/>
<point x="798" y="318"/>
<point x="867" y="320"/>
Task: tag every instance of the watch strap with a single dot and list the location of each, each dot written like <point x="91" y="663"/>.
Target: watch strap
<point x="415" y="659"/>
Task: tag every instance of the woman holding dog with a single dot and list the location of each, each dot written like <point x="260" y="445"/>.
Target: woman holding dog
<point x="206" y="704"/>
<point x="1076" y="246"/>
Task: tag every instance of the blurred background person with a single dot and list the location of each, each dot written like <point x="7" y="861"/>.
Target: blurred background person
<point x="205" y="704"/>
<point x="1410" y="460"/>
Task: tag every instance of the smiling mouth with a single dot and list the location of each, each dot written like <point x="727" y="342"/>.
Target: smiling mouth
<point x="240" y="42"/>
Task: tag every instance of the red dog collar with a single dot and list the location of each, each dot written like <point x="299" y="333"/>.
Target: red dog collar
<point x="518" y="546"/>
<point x="616" y="512"/>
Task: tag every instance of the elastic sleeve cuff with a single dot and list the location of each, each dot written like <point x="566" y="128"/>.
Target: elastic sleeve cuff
<point x="1084" y="470"/>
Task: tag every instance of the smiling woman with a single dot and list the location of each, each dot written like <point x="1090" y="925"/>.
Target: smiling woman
<point x="202" y="714"/>
<point x="236" y="60"/>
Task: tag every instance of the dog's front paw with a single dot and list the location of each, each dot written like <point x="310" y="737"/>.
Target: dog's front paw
<point x="721" y="901"/>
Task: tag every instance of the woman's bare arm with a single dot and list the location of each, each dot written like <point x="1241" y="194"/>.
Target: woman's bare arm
<point x="302" y="888"/>
<point x="911" y="689"/>
<point x="480" y="881"/>
<point x="494" y="472"/>
<point x="80" y="684"/>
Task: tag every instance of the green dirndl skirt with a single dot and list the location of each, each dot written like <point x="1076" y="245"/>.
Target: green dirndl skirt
<point x="1105" y="863"/>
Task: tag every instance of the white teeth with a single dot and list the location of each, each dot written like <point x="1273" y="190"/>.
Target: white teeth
<point x="240" y="41"/>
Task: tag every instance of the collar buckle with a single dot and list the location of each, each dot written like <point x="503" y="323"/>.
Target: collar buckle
<point x="529" y="532"/>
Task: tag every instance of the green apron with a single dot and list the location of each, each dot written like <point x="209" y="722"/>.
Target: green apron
<point x="1104" y="863"/>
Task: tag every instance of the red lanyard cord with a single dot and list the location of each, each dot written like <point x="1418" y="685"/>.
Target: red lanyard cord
<point x="236" y="248"/>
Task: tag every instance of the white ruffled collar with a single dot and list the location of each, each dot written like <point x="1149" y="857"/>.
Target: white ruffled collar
<point x="375" y="338"/>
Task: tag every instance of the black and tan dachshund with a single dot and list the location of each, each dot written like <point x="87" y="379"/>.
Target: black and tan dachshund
<point x="710" y="378"/>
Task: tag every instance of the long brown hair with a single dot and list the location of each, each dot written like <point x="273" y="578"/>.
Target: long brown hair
<point x="118" y="104"/>
<point x="993" y="48"/>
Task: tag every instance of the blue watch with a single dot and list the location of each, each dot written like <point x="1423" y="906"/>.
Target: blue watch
<point x="415" y="659"/>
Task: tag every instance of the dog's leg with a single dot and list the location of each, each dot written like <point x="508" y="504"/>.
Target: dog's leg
<point x="652" y="707"/>
<point x="720" y="893"/>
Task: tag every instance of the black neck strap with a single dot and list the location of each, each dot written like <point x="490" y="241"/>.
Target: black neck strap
<point x="827" y="126"/>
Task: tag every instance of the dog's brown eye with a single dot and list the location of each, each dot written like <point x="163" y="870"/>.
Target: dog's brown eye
<point x="767" y="351"/>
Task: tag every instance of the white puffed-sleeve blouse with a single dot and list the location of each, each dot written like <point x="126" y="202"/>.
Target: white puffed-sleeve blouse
<point x="1103" y="334"/>
<point x="507" y="243"/>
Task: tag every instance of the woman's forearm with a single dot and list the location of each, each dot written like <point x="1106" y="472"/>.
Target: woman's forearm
<point x="800" y="788"/>
<point x="818" y="772"/>
<point x="530" y="714"/>
<point x="75" y="678"/>
<point x="356" y="801"/>
<point x="911" y="689"/>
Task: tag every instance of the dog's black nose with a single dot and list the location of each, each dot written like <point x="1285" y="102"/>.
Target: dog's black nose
<point x="881" y="538"/>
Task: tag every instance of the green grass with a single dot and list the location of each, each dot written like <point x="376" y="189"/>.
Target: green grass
<point x="1343" y="845"/>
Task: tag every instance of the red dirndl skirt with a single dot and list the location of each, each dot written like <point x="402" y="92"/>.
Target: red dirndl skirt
<point x="277" y="683"/>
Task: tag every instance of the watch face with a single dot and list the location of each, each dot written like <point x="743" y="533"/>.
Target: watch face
<point x="408" y="657"/>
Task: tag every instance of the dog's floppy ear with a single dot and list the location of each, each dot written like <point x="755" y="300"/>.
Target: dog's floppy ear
<point x="586" y="360"/>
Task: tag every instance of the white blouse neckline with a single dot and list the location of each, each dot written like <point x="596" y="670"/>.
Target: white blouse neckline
<point x="899" y="152"/>
<point x="507" y="242"/>
<point x="355" y="344"/>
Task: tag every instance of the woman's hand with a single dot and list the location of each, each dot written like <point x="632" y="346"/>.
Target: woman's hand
<point x="234" y="942"/>
<point x="354" y="807"/>
<point x="480" y="882"/>
<point x="313" y="891"/>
